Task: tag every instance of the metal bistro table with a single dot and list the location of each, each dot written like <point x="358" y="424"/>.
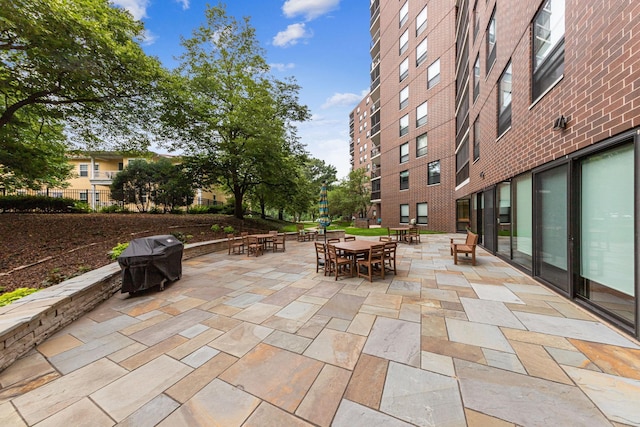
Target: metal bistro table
<point x="354" y="248"/>
<point x="401" y="233"/>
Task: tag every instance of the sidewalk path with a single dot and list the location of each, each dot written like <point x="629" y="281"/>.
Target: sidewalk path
<point x="266" y="341"/>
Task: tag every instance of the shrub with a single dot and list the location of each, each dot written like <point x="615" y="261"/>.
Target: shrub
<point x="12" y="296"/>
<point x="23" y="203"/>
<point x="229" y="229"/>
<point x="181" y="236"/>
<point x="81" y="207"/>
<point x="155" y="210"/>
<point x="195" y="210"/>
<point x="215" y="228"/>
<point x="117" y="250"/>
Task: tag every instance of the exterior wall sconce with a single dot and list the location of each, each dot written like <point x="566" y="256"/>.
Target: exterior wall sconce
<point x="482" y="175"/>
<point x="560" y="123"/>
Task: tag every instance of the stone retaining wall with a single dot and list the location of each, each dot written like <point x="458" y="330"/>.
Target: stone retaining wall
<point x="26" y="323"/>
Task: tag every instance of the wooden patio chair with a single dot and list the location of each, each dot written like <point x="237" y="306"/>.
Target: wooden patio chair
<point x="338" y="264"/>
<point x="468" y="247"/>
<point x="254" y="246"/>
<point x="322" y="261"/>
<point x="413" y="235"/>
<point x="278" y="243"/>
<point x="301" y="234"/>
<point x="268" y="243"/>
<point x="390" y="256"/>
<point x="374" y="262"/>
<point x="235" y="246"/>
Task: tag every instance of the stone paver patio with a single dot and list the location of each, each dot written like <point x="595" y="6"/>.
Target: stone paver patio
<point x="265" y="341"/>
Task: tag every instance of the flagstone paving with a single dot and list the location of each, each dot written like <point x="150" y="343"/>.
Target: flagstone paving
<point x="264" y="341"/>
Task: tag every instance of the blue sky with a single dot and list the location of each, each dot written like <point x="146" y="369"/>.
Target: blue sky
<point x="324" y="44"/>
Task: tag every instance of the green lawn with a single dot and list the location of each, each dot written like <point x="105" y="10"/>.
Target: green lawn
<point x="346" y="226"/>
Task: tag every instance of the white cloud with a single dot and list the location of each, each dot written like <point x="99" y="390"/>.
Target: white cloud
<point x="184" y="3"/>
<point x="138" y="8"/>
<point x="282" y="67"/>
<point x="148" y="38"/>
<point x="343" y="99"/>
<point x="311" y="9"/>
<point x="291" y="35"/>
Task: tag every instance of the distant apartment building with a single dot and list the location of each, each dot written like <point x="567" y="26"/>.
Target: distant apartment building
<point x="521" y="121"/>
<point x="94" y="171"/>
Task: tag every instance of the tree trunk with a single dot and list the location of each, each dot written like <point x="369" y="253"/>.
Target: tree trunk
<point x="263" y="213"/>
<point x="238" y="211"/>
<point x="281" y="215"/>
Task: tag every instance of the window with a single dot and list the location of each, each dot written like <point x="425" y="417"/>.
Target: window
<point x="421" y="52"/>
<point x="433" y="74"/>
<point x="462" y="161"/>
<point x="421" y="145"/>
<point x="491" y="41"/>
<point x="404" y="180"/>
<point x="476" y="21"/>
<point x="404" y="42"/>
<point x="404" y="152"/>
<point x="404" y="69"/>
<point x="421" y="21"/>
<point x="434" y="172"/>
<point x="421" y="114"/>
<point x="404" y="125"/>
<point x="84" y="170"/>
<point x="548" y="46"/>
<point x="504" y="101"/>
<point x="404" y="97"/>
<point x="404" y="13"/>
<point x="476" y="78"/>
<point x="422" y="211"/>
<point x="83" y="196"/>
<point x="476" y="139"/>
<point x="404" y="214"/>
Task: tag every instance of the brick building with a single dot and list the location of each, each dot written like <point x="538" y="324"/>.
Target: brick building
<point x="521" y="123"/>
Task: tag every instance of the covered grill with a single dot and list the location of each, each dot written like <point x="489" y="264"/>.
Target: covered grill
<point x="150" y="261"/>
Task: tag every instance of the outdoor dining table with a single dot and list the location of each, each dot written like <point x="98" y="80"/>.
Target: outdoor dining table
<point x="262" y="238"/>
<point x="354" y="248"/>
<point x="401" y="233"/>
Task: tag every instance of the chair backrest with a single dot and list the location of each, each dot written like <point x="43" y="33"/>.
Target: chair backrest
<point x="274" y="232"/>
<point x="385" y="239"/>
<point x="376" y="252"/>
<point x="331" y="252"/>
<point x="244" y="234"/>
<point x="413" y="231"/>
<point x="390" y="248"/>
<point x="253" y="240"/>
<point x="472" y="239"/>
<point x="231" y="237"/>
<point x="349" y="238"/>
<point x="333" y="240"/>
<point x="321" y="250"/>
<point x="299" y="227"/>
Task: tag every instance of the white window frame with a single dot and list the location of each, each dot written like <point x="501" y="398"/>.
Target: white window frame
<point x="421" y="114"/>
<point x="433" y="74"/>
<point x="404" y="42"/>
<point x="421" y="52"/>
<point x="421" y="21"/>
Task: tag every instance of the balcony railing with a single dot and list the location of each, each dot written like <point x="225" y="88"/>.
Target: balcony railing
<point x="375" y="151"/>
<point x="375" y="195"/>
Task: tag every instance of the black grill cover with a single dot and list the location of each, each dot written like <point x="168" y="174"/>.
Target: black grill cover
<point x="150" y="261"/>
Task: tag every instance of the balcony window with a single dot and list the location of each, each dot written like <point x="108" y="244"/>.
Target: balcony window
<point x="462" y="162"/>
<point x="404" y="42"/>
<point x="404" y="214"/>
<point x="404" y="97"/>
<point x="404" y="152"/>
<point x="433" y="170"/>
<point x="504" y="101"/>
<point x="404" y="125"/>
<point x="422" y="213"/>
<point x="421" y="52"/>
<point x="421" y="21"/>
<point x="404" y="69"/>
<point x="476" y="78"/>
<point x="476" y="139"/>
<point x="491" y="41"/>
<point x="548" y="47"/>
<point x="421" y="145"/>
<point x="404" y="180"/>
<point x="421" y="114"/>
<point x="404" y="13"/>
<point x="433" y="74"/>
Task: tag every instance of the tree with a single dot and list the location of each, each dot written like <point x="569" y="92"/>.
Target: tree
<point x="173" y="186"/>
<point x="226" y="112"/>
<point x="134" y="184"/>
<point x="70" y="68"/>
<point x="352" y="195"/>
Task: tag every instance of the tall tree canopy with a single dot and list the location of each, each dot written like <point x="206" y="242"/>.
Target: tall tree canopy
<point x="226" y="111"/>
<point x="69" y="69"/>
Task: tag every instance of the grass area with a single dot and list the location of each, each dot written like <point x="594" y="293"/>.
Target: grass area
<point x="348" y="229"/>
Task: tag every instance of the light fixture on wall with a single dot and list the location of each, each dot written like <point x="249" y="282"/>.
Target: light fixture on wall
<point x="560" y="123"/>
<point x="482" y="175"/>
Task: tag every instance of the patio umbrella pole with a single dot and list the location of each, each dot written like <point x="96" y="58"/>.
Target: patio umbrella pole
<point x="323" y="208"/>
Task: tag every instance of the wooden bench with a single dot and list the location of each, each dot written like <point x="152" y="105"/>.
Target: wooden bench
<point x="468" y="247"/>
